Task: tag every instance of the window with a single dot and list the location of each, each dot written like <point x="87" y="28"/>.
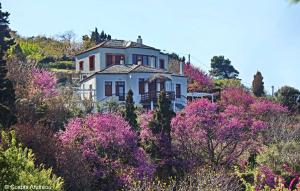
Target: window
<point x="92" y="63"/>
<point x="141" y="86"/>
<point x="178" y="91"/>
<point x="120" y="90"/>
<point x="145" y="59"/>
<point x="162" y="63"/>
<point x="114" y="59"/>
<point x="108" y="88"/>
<point x="81" y="65"/>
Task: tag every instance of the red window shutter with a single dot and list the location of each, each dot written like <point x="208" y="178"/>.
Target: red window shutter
<point x="92" y="63"/>
<point x="108" y="88"/>
<point x="141" y="86"/>
<point x="81" y="65"/>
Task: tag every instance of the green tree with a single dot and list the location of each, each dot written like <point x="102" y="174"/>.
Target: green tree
<point x="288" y="96"/>
<point x="18" y="166"/>
<point x="258" y="85"/>
<point x="295" y="1"/>
<point x="7" y="92"/>
<point x="160" y="126"/>
<point x="224" y="83"/>
<point x="130" y="114"/>
<point x="221" y="68"/>
<point x="95" y="36"/>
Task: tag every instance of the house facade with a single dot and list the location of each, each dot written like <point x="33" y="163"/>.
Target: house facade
<point x="113" y="67"/>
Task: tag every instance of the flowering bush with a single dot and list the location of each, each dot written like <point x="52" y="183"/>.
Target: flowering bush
<point x="264" y="108"/>
<point x="43" y="82"/>
<point x="110" y="147"/>
<point x="204" y="133"/>
<point x="237" y="96"/>
<point x="198" y="79"/>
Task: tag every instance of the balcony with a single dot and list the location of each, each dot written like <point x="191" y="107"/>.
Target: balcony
<point x="146" y="98"/>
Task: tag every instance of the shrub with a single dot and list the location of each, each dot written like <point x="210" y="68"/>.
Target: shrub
<point x="204" y="179"/>
<point x="109" y="145"/>
<point x="18" y="166"/>
<point x="280" y="154"/>
<point x="237" y="96"/>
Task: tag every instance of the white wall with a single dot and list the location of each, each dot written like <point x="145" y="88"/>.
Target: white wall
<point x="85" y="58"/>
<point x="109" y="77"/>
<point x="86" y="86"/>
<point x="131" y="82"/>
<point x="100" y="57"/>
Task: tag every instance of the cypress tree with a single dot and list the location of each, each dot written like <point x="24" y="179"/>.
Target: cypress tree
<point x="258" y="85"/>
<point x="161" y="125"/>
<point x="130" y="114"/>
<point x="161" y="128"/>
<point x="7" y="92"/>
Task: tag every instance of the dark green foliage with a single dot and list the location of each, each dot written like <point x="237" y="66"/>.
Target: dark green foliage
<point x="58" y="65"/>
<point x="7" y="92"/>
<point x="96" y="38"/>
<point x="258" y="85"/>
<point x="160" y="125"/>
<point x="176" y="57"/>
<point x="288" y="96"/>
<point x="130" y="114"/>
<point x="221" y="68"/>
<point x="295" y="1"/>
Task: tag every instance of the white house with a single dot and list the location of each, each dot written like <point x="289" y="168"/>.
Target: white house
<point x="113" y="67"/>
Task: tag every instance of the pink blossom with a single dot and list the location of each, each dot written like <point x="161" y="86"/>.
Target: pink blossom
<point x="43" y="82"/>
<point x="107" y="141"/>
<point x="237" y="96"/>
<point x="198" y="79"/>
<point x="223" y="132"/>
<point x="265" y="107"/>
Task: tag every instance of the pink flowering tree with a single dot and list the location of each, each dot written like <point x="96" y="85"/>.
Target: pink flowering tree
<point x="264" y="109"/>
<point x="237" y="96"/>
<point x="43" y="83"/>
<point x="205" y="133"/>
<point x="198" y="79"/>
<point x="108" y="144"/>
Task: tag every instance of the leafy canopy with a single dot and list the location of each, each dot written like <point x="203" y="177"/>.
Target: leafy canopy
<point x="18" y="166"/>
<point x="288" y="96"/>
<point x="221" y="68"/>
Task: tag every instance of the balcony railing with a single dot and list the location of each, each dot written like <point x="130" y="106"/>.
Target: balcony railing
<point x="153" y="96"/>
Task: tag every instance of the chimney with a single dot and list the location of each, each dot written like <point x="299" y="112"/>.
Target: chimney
<point x="139" y="40"/>
<point x="181" y="69"/>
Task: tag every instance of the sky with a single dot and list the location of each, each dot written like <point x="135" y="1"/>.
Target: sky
<point x="255" y="35"/>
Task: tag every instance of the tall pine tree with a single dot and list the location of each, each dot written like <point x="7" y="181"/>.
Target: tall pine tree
<point x="7" y="92"/>
<point x="258" y="85"/>
<point x="130" y="114"/>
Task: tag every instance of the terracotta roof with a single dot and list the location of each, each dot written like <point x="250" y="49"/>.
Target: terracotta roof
<point x="114" y="43"/>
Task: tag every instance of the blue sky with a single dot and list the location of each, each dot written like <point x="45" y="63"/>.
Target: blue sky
<point x="255" y="35"/>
